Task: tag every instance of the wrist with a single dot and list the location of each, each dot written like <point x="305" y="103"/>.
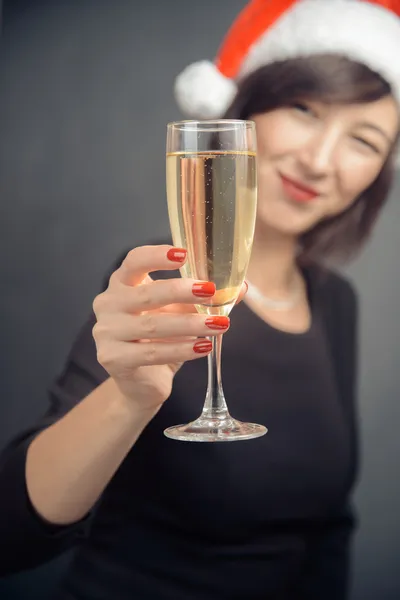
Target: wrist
<point x="124" y="407"/>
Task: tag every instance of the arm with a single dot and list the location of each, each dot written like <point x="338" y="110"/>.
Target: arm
<point x="44" y="503"/>
<point x="26" y="539"/>
<point x="52" y="477"/>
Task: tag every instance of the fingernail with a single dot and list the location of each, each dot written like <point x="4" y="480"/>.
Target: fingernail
<point x="177" y="254"/>
<point x="205" y="289"/>
<point x="247" y="287"/>
<point x="217" y="322"/>
<point x="202" y="346"/>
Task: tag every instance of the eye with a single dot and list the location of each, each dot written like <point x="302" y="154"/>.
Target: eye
<point x="303" y="108"/>
<point x="367" y="144"/>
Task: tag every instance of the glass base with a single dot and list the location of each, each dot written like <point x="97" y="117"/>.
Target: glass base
<point x="215" y="430"/>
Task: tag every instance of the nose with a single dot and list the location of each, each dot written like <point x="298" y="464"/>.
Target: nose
<point x="317" y="156"/>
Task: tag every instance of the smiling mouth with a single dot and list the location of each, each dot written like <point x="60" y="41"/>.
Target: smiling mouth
<point x="297" y="191"/>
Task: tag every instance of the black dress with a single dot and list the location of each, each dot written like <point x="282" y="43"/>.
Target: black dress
<point x="255" y="520"/>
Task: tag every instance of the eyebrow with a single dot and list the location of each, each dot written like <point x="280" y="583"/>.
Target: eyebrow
<point x="376" y="128"/>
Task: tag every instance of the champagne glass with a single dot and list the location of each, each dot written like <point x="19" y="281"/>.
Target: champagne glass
<point x="212" y="198"/>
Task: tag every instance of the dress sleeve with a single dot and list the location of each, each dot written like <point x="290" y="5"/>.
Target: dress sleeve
<point x="30" y="540"/>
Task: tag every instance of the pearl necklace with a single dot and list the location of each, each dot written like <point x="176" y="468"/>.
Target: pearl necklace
<point x="280" y="305"/>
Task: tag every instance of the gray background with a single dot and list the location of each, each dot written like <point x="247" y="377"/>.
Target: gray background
<point x="85" y="94"/>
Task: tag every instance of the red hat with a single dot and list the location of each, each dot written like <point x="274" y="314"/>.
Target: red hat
<point x="367" y="31"/>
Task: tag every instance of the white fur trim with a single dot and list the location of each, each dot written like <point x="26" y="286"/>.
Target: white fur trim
<point x="202" y="91"/>
<point x="362" y="31"/>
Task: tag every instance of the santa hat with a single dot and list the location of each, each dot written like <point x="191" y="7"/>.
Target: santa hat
<point x="367" y="31"/>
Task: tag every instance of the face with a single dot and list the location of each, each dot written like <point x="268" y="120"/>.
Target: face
<point x="315" y="159"/>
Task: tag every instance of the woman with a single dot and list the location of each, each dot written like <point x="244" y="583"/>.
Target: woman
<point x="269" y="518"/>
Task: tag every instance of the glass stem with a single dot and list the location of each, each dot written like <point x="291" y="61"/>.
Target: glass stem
<point x="215" y="405"/>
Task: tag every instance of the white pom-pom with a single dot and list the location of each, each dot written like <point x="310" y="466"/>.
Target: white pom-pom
<point x="202" y="92"/>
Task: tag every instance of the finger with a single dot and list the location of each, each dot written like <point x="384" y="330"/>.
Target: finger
<point x="154" y="295"/>
<point x="146" y="259"/>
<point x="243" y="292"/>
<point x="190" y="308"/>
<point x="152" y="326"/>
<point x="121" y="359"/>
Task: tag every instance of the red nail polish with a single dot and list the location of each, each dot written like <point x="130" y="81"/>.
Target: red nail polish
<point x="205" y="289"/>
<point x="177" y="254"/>
<point x="247" y="287"/>
<point x="217" y="322"/>
<point x="202" y="346"/>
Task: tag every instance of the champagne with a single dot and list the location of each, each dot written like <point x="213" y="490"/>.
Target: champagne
<point x="212" y="196"/>
<point x="212" y="199"/>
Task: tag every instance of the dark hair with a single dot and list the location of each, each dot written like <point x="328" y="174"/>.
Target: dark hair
<point x="331" y="79"/>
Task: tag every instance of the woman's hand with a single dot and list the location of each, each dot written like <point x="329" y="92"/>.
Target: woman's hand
<point x="147" y="329"/>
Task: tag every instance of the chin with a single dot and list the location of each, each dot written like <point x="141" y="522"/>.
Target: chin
<point x="286" y="221"/>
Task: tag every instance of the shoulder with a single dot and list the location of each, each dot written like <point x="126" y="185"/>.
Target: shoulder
<point x="333" y="288"/>
<point x="336" y="301"/>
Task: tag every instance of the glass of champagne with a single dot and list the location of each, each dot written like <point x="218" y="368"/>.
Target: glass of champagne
<point x="212" y="198"/>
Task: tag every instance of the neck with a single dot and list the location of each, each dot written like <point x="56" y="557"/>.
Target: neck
<point x="273" y="267"/>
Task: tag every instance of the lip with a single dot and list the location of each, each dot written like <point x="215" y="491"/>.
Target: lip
<point x="297" y="191"/>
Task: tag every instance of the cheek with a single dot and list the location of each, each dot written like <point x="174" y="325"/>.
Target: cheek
<point x="267" y="180"/>
<point x="279" y="135"/>
<point x="355" y="179"/>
